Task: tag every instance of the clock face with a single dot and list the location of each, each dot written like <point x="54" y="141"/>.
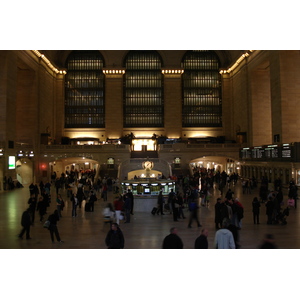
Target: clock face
<point x="148" y="165"/>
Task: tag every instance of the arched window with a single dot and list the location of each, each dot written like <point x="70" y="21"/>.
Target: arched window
<point x="143" y="104"/>
<point x="84" y="90"/>
<point x="202" y="101"/>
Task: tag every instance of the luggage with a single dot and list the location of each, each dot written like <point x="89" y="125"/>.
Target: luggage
<point x="154" y="210"/>
<point x="47" y="224"/>
<point x="87" y="207"/>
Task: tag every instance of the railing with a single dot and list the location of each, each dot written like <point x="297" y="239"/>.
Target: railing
<point x="197" y="146"/>
<point x="84" y="147"/>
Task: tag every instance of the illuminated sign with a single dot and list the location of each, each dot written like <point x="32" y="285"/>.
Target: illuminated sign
<point x="11" y="162"/>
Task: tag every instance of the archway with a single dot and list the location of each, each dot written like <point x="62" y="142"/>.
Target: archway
<point x="79" y="165"/>
<point x="24" y="171"/>
<point x="218" y="163"/>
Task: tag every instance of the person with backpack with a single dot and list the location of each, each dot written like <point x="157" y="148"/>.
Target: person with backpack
<point x="193" y="208"/>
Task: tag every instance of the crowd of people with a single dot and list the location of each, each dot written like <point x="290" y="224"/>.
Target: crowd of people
<point x="192" y="192"/>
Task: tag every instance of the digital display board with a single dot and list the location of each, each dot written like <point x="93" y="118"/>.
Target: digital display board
<point x="284" y="152"/>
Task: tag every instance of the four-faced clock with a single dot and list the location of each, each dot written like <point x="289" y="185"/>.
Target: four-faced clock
<point x="148" y="165"/>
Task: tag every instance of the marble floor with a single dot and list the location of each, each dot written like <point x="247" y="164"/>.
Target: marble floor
<point x="145" y="231"/>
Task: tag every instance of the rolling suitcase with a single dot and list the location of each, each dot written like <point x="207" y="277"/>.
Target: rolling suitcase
<point x="154" y="210"/>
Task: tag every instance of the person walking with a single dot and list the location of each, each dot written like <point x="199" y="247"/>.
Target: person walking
<point x="175" y="208"/>
<point x="59" y="203"/>
<point x="53" y="219"/>
<point x="93" y="199"/>
<point x="115" y="238"/>
<point x="80" y="193"/>
<point x="218" y="214"/>
<point x="193" y="208"/>
<point x="127" y="207"/>
<point x="270" y="210"/>
<point x="171" y="196"/>
<point x="181" y="206"/>
<point x="41" y="208"/>
<point x="118" y="206"/>
<point x="131" y="197"/>
<point x="26" y="223"/>
<point x="32" y="206"/>
<point x="172" y="241"/>
<point x="255" y="210"/>
<point x="74" y="200"/>
<point x="160" y="203"/>
<point x="104" y="192"/>
<point x="224" y="237"/>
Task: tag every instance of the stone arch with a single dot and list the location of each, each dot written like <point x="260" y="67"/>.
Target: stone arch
<point x="24" y="171"/>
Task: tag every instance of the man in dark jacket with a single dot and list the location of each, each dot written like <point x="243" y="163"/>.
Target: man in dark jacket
<point x="218" y="214"/>
<point x="201" y="241"/>
<point x="26" y="223"/>
<point x="32" y="206"/>
<point x="131" y="197"/>
<point x="92" y="200"/>
<point x="172" y="241"/>
<point x="115" y="238"/>
<point x="127" y="207"/>
<point x="269" y="210"/>
<point x="54" y="218"/>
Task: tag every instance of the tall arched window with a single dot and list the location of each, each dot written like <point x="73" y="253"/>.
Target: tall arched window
<point x="202" y="101"/>
<point x="143" y="104"/>
<point x="84" y="92"/>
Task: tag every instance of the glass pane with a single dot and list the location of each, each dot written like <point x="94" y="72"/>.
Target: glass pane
<point x="143" y="104"/>
<point x="84" y="103"/>
<point x="202" y="103"/>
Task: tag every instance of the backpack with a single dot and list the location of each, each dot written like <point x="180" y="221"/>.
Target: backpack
<point x="192" y="206"/>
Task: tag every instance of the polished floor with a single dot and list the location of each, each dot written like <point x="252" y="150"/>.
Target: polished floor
<point x="145" y="231"/>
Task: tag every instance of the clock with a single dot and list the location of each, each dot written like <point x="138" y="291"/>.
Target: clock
<point x="147" y="165"/>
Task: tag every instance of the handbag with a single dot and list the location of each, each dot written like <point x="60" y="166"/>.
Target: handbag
<point x="291" y="202"/>
<point x="46" y="224"/>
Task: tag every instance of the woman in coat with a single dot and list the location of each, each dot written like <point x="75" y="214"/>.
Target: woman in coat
<point x="115" y="238"/>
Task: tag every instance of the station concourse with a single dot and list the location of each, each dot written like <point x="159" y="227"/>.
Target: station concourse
<point x="145" y="231"/>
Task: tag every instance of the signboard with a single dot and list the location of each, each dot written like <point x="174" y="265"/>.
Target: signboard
<point x="11" y="162"/>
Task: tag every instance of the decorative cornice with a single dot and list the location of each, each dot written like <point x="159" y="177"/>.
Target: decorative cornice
<point x="238" y="62"/>
<point x="48" y="63"/>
